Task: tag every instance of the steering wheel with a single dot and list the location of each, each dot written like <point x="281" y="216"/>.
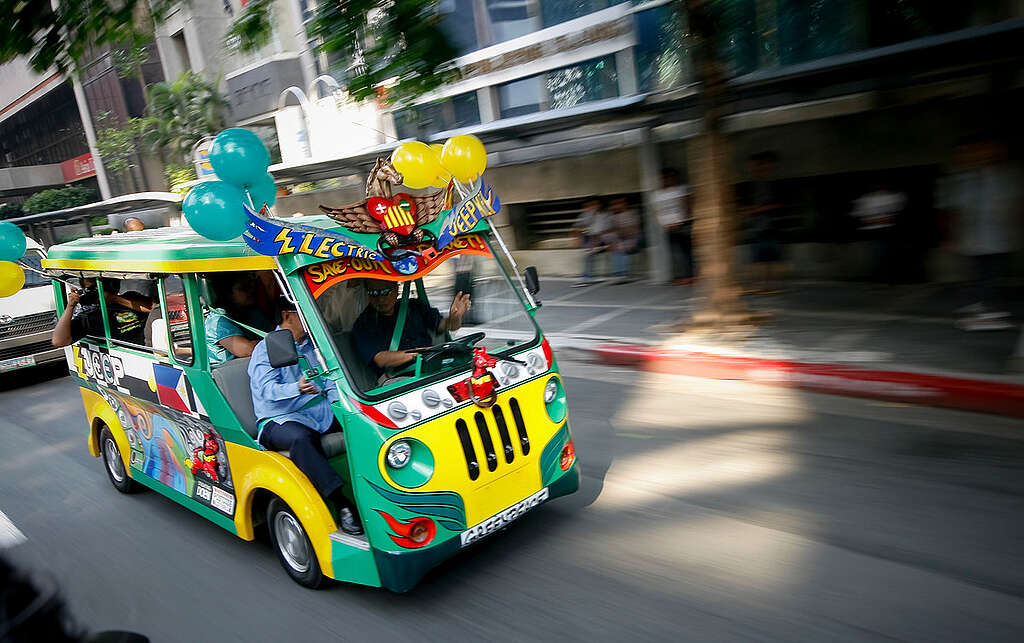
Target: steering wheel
<point x="462" y="345"/>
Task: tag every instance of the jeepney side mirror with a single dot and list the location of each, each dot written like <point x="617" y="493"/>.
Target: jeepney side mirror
<point x="281" y="349"/>
<point x="532" y="280"/>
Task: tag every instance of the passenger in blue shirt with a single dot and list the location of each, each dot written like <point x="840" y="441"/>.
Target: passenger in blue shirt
<point x="294" y="413"/>
<point x="234" y="294"/>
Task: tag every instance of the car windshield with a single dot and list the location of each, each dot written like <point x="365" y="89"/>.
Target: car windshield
<point x="361" y="313"/>
<point x="33" y="259"/>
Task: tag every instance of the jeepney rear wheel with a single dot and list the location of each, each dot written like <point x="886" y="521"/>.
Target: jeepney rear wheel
<point x="292" y="545"/>
<point x="114" y="464"/>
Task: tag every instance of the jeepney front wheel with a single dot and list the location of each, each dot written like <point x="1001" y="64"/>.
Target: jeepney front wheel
<point x="114" y="464"/>
<point x="292" y="545"/>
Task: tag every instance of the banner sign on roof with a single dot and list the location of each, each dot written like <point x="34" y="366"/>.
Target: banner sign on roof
<point x="274" y="237"/>
<point x="321" y="276"/>
<point x="482" y="203"/>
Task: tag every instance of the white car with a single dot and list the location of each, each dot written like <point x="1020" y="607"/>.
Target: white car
<point x="27" y="319"/>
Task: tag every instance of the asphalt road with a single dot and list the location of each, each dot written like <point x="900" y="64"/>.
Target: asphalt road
<point x="709" y="511"/>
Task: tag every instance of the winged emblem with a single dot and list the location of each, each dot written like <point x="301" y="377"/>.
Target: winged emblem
<point x="396" y="217"/>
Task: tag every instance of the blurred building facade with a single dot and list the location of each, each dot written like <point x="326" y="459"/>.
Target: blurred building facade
<point x="580" y="98"/>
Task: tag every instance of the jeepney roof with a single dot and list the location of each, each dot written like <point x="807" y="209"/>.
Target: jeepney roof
<point x="164" y="250"/>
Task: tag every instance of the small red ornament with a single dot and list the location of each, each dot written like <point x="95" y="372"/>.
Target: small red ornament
<point x="204" y="458"/>
<point x="397" y="214"/>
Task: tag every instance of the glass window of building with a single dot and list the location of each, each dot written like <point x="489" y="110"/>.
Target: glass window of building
<point x="512" y="18"/>
<point x="554" y="12"/>
<point x="459" y="21"/>
<point x="561" y="88"/>
<point x="420" y="121"/>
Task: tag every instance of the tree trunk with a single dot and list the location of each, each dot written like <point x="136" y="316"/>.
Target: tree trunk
<point x="710" y="161"/>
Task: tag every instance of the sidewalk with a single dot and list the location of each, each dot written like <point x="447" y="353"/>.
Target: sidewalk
<point x="891" y="343"/>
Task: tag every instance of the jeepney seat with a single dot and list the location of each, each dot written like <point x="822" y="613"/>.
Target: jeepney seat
<point x="232" y="379"/>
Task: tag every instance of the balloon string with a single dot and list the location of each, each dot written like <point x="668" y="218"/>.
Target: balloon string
<point x="45" y="274"/>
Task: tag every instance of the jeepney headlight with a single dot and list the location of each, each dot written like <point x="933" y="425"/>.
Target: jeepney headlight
<point x="399" y="454"/>
<point x="550" y="390"/>
<point x="554" y="399"/>
<point x="410" y="463"/>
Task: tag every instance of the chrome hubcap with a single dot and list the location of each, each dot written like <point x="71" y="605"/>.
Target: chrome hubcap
<point x="113" y="458"/>
<point x="291" y="540"/>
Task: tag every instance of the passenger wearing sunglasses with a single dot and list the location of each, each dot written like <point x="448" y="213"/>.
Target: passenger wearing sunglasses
<point x="375" y="327"/>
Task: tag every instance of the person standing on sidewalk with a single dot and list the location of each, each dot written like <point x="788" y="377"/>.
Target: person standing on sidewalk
<point x="672" y="207"/>
<point x="762" y="208"/>
<point x="983" y="197"/>
<point x="877" y="213"/>
<point x="593" y="231"/>
<point x="626" y="243"/>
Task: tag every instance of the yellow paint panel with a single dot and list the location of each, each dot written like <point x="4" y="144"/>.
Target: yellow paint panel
<point x="259" y="262"/>
<point x="253" y="469"/>
<point x="494" y="490"/>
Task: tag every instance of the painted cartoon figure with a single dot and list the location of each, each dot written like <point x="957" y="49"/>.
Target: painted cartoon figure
<point x="204" y="458"/>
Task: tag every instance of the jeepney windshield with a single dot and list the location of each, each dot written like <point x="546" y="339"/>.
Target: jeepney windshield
<point x="361" y="327"/>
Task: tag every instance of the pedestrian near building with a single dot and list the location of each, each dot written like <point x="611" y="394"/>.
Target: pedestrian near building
<point x="877" y="213"/>
<point x="984" y="199"/>
<point x="594" y="234"/>
<point x="626" y="242"/>
<point x="763" y="211"/>
<point x="673" y="211"/>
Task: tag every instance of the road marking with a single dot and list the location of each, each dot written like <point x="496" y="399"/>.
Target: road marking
<point x="9" y="534"/>
<point x="597" y="321"/>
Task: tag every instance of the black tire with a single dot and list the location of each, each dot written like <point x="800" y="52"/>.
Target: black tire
<point x="114" y="464"/>
<point x="292" y="545"/>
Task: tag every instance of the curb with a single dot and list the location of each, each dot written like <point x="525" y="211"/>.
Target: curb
<point x="984" y="396"/>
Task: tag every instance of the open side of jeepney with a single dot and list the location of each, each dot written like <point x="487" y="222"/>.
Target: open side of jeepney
<point x="430" y="469"/>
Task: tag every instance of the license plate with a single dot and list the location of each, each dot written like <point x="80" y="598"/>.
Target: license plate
<point x="16" y="363"/>
<point x="502" y="519"/>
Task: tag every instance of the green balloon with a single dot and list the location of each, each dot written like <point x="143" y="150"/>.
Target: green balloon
<point x="12" y="242"/>
<point x="263" y="192"/>
<point x="214" y="210"/>
<point x="239" y="157"/>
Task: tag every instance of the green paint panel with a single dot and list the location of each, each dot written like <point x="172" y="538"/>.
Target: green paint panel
<point x="354" y="565"/>
<point x="549" y="458"/>
<point x="211" y="515"/>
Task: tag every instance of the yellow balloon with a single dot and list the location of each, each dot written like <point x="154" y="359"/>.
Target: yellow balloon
<point x="443" y="177"/>
<point x="417" y="163"/>
<point x="12" y="278"/>
<point x="464" y="156"/>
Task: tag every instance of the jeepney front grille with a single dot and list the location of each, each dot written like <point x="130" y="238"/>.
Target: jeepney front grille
<point x="29" y="324"/>
<point x="492" y="427"/>
<point x="25" y="350"/>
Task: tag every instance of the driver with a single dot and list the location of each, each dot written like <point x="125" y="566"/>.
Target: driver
<point x="375" y="327"/>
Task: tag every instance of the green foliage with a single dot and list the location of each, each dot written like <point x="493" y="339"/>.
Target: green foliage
<point x="128" y="60"/>
<point x="10" y="211"/>
<point x="58" y="199"/>
<point x="57" y="35"/>
<point x="252" y="29"/>
<point x="177" y="174"/>
<point x="118" y="146"/>
<point x="398" y="42"/>
<point x="182" y="112"/>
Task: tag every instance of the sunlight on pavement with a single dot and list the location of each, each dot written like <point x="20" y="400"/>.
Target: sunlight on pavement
<point x="671" y="402"/>
<point x="707" y="464"/>
<point x="731" y="445"/>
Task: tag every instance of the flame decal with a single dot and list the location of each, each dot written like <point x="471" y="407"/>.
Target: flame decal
<point x="404" y="530"/>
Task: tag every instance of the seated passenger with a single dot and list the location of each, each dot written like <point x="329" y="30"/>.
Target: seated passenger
<point x="375" y="327"/>
<point x="293" y="413"/>
<point x="82" y="316"/>
<point x="225" y="339"/>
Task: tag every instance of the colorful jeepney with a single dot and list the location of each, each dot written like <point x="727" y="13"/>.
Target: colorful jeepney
<point x="431" y="466"/>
